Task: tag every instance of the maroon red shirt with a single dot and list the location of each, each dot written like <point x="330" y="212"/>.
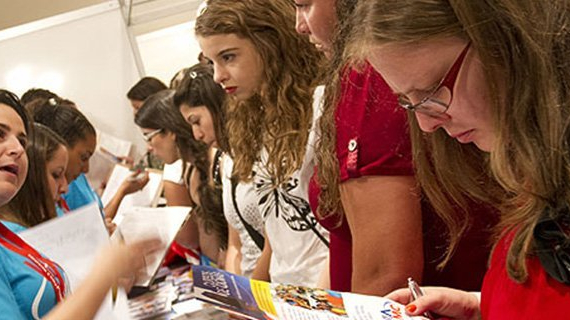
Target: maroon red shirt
<point x="373" y="139"/>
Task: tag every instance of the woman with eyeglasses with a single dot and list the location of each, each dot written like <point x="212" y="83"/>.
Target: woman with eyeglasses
<point x="364" y="182"/>
<point x="490" y="92"/>
<point x="33" y="286"/>
<point x="170" y="138"/>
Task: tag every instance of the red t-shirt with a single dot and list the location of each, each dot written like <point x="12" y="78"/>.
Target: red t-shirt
<point x="540" y="297"/>
<point x="373" y="139"/>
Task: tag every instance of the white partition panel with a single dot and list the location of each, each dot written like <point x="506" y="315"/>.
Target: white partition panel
<point x="83" y="55"/>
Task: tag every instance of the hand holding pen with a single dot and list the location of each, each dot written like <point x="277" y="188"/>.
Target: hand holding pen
<point x="417" y="292"/>
<point x="445" y="303"/>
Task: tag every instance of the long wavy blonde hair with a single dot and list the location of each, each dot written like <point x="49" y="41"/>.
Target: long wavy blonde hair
<point x="279" y="116"/>
<point x="523" y="46"/>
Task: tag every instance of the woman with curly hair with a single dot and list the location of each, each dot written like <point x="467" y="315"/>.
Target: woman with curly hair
<point x="270" y="75"/>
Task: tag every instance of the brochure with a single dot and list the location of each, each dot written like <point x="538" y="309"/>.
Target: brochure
<point x="261" y="300"/>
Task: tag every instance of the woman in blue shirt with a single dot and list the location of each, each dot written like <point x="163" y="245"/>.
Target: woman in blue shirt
<point x="64" y="119"/>
<point x="32" y="286"/>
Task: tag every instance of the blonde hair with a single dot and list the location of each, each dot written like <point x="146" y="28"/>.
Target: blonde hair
<point x="523" y="46"/>
<point x="279" y="116"/>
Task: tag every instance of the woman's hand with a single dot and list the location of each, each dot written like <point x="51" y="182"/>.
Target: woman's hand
<point x="124" y="260"/>
<point x="110" y="225"/>
<point x="445" y="302"/>
<point x="134" y="183"/>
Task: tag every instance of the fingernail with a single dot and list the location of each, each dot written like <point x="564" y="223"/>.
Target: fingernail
<point x="411" y="308"/>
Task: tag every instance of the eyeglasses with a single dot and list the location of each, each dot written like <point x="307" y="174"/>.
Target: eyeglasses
<point x="438" y="101"/>
<point x="147" y="136"/>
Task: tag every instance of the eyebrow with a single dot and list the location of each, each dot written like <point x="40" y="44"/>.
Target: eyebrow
<point x="8" y="128"/>
<point x="225" y="51"/>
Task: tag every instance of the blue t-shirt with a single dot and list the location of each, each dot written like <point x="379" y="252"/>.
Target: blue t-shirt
<point x="14" y="227"/>
<point x="59" y="211"/>
<point x="80" y="194"/>
<point x="24" y="293"/>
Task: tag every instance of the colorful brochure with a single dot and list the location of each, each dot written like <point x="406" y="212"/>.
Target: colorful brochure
<point x="261" y="300"/>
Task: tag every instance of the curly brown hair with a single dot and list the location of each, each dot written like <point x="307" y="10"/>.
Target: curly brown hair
<point x="279" y="116"/>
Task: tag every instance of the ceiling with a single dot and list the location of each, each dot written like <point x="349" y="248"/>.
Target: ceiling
<point x="145" y="15"/>
<point x="18" y="12"/>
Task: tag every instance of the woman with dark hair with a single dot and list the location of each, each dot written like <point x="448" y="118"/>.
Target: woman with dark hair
<point x="31" y="285"/>
<point x="45" y="182"/>
<point x="169" y="137"/>
<point x="79" y="134"/>
<point x="143" y="89"/>
<point x="201" y="102"/>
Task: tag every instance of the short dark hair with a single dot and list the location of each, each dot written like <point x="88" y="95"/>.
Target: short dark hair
<point x="11" y="100"/>
<point x="37" y="93"/>
<point x="144" y="88"/>
<point x="63" y="118"/>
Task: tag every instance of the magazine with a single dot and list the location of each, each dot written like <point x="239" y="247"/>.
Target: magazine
<point x="261" y="300"/>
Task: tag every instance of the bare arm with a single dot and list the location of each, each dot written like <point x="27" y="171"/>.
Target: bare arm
<point x="178" y="195"/>
<point x="261" y="271"/>
<point x="233" y="255"/>
<point x="325" y="276"/>
<point x="113" y="262"/>
<point x="127" y="187"/>
<point x="384" y="216"/>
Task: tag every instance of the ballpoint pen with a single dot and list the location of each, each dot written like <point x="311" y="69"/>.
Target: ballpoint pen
<point x="416" y="293"/>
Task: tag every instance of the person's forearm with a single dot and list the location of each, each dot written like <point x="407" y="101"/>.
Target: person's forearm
<point x="113" y="206"/>
<point x="233" y="254"/>
<point x="261" y="271"/>
<point x="86" y="300"/>
<point x="382" y="282"/>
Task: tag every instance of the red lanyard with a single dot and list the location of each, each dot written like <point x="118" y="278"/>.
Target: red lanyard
<point x="64" y="206"/>
<point x="45" y="267"/>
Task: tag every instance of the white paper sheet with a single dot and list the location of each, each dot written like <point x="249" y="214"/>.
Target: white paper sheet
<point x="105" y="157"/>
<point x="73" y="241"/>
<point x="147" y="197"/>
<point x="142" y="223"/>
<point x="116" y="146"/>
